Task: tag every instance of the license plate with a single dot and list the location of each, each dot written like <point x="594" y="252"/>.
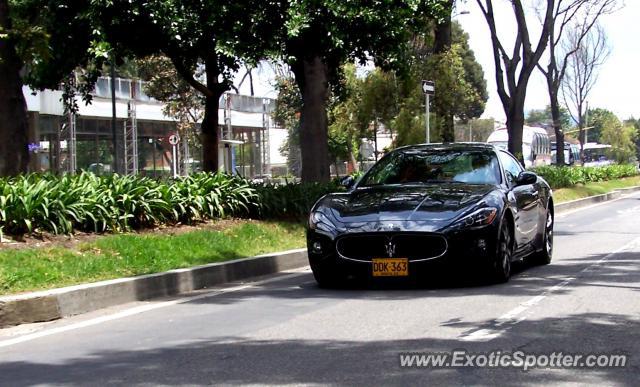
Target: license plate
<point x="390" y="267"/>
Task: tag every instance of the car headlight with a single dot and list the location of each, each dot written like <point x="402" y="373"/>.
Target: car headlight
<point x="319" y="220"/>
<point x="478" y="218"/>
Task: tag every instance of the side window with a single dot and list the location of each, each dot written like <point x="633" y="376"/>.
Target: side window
<point x="512" y="167"/>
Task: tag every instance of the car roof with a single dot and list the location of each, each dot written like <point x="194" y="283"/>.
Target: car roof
<point x="450" y="146"/>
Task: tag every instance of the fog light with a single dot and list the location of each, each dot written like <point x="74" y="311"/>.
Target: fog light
<point x="482" y="244"/>
<point x="316" y="247"/>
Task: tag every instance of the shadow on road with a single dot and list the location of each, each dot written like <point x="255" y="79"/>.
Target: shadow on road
<point x="528" y="280"/>
<point x="235" y="360"/>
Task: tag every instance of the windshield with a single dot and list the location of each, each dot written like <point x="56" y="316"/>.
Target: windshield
<point x="420" y="166"/>
<point x="595" y="154"/>
<point x="501" y="145"/>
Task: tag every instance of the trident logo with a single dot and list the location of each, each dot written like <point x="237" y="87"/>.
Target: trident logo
<point x="391" y="248"/>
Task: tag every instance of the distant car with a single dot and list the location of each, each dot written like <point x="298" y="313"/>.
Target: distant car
<point x="463" y="205"/>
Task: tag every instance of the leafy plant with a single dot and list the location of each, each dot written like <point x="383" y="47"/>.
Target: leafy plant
<point x="560" y="177"/>
<point x="115" y="203"/>
<point x="60" y="205"/>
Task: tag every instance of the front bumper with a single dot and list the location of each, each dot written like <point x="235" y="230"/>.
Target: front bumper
<point x="466" y="249"/>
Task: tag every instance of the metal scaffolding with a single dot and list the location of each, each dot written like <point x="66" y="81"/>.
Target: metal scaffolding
<point x="68" y="135"/>
<point x="265" y="145"/>
<point x="131" y="140"/>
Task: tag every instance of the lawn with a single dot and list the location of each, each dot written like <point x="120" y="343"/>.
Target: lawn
<point x="115" y="256"/>
<point x="590" y="189"/>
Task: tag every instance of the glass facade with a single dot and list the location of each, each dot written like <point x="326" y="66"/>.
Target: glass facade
<point x="94" y="145"/>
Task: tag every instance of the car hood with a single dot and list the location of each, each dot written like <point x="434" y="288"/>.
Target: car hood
<point x="432" y="204"/>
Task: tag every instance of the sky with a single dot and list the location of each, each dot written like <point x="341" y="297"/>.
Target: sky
<point x="618" y="85"/>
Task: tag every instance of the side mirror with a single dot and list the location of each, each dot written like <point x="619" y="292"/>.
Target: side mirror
<point x="526" y="177"/>
<point x="347" y="182"/>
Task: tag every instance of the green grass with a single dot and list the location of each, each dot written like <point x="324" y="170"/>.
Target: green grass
<point x="117" y="256"/>
<point x="590" y="189"/>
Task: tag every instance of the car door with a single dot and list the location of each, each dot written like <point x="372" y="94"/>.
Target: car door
<point x="525" y="199"/>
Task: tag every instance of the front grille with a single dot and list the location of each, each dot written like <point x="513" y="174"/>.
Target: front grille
<point x="414" y="246"/>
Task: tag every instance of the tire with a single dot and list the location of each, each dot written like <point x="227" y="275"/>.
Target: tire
<point x="543" y="257"/>
<point x="500" y="269"/>
<point x="325" y="275"/>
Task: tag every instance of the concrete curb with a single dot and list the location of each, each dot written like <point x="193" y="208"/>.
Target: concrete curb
<point x="578" y="203"/>
<point x="57" y="303"/>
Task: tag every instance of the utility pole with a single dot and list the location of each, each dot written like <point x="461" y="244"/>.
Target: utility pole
<point x="586" y="124"/>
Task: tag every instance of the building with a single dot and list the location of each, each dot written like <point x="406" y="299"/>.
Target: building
<point x="84" y="141"/>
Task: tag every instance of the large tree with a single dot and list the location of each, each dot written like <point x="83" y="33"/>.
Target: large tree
<point x="461" y="89"/>
<point x="442" y="45"/>
<point x="582" y="73"/>
<point x="473" y="74"/>
<point x="583" y="14"/>
<point x="514" y="67"/>
<point x="620" y="136"/>
<point x="14" y="155"/>
<point x="320" y="35"/>
<point x="598" y="118"/>
<point x="41" y="42"/>
<point x="208" y="37"/>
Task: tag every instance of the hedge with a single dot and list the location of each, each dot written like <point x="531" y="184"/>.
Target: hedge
<point x="86" y="202"/>
<point x="561" y="177"/>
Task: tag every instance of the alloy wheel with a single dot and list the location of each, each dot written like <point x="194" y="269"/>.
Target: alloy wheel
<point x="549" y="234"/>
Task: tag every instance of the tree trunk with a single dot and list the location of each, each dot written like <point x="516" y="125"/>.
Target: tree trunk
<point x="441" y="46"/>
<point x="14" y="126"/>
<point x="209" y="132"/>
<point x="353" y="162"/>
<point x="312" y="79"/>
<point x="515" y="125"/>
<point x="557" y="127"/>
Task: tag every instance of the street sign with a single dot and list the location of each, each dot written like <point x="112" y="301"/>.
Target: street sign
<point x="428" y="87"/>
<point x="174" y="139"/>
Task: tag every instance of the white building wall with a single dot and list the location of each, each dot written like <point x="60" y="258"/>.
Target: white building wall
<point x="277" y="138"/>
<point x="49" y="102"/>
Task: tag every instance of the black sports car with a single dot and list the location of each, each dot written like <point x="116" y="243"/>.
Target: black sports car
<point x="423" y="206"/>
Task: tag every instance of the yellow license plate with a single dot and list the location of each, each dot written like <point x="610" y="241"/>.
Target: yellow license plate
<point x="390" y="267"/>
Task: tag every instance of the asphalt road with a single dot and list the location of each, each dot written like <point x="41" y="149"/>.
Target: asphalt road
<point x="285" y="330"/>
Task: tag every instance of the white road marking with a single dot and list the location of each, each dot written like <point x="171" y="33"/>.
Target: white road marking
<point x="629" y="211"/>
<point x="563" y="214"/>
<point x="522" y="311"/>
<point x="145" y="308"/>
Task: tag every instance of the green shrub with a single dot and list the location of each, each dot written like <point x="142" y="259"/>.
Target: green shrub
<point x="86" y="202"/>
<point x="62" y="204"/>
<point x="290" y="201"/>
<point x="561" y="177"/>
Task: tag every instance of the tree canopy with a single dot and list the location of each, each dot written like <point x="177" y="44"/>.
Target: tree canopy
<point x="208" y="37"/>
<point x="320" y="35"/>
<point x="544" y="118"/>
<point x="621" y="137"/>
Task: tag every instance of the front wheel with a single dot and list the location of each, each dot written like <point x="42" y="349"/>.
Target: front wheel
<point x="543" y="257"/>
<point x="501" y="266"/>
<point x="325" y="275"/>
